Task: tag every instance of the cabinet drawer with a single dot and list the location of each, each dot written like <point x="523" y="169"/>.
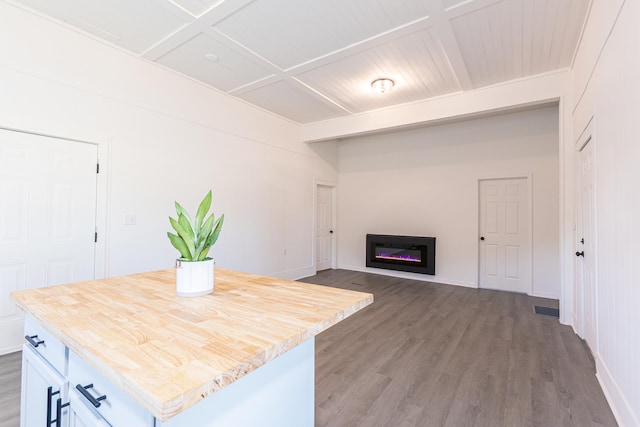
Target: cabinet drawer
<point x="115" y="406"/>
<point x="49" y="347"/>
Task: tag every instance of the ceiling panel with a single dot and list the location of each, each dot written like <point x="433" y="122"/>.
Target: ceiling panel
<point x="312" y="60"/>
<point x="310" y="29"/>
<point x="196" y="7"/>
<point x="134" y="25"/>
<point x="452" y="4"/>
<point x="228" y="70"/>
<point x="416" y="62"/>
<point x="288" y="101"/>
<point x="513" y="39"/>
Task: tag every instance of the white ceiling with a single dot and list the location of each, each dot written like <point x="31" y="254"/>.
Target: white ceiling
<point x="312" y="60"/>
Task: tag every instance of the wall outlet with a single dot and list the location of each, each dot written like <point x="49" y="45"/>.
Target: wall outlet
<point x="284" y="251"/>
<point x="129" y="219"/>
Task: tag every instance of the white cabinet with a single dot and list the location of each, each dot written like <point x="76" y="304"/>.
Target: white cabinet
<point x="44" y="388"/>
<point x="100" y="398"/>
<point x="59" y="389"/>
<point x="55" y="379"/>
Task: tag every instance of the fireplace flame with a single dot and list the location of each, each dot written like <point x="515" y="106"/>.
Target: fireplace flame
<point x="397" y="257"/>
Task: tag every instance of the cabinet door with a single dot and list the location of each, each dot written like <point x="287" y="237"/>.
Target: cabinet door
<point x="41" y="388"/>
<point x="81" y="416"/>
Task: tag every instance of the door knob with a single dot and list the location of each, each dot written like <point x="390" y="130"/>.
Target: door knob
<point x="581" y="253"/>
<point x="482" y="238"/>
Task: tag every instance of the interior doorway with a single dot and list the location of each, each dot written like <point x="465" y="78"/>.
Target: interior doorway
<point x="505" y="235"/>
<point x="48" y="221"/>
<point x="325" y="236"/>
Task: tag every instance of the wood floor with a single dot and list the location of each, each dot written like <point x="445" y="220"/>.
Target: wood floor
<point x="10" y="366"/>
<point x="425" y="354"/>
<point x="434" y="355"/>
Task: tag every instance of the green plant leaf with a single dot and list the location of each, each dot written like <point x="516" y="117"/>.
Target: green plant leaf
<point x="175" y="225"/>
<point x="203" y="236"/>
<point x="182" y="232"/>
<point x="203" y="208"/>
<point x="186" y="232"/>
<point x="204" y="253"/>
<point x="217" y="227"/>
<point x="194" y="239"/>
<point x="179" y="244"/>
<point x="182" y="211"/>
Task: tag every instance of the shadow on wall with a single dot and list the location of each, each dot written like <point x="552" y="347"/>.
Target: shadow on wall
<point x="327" y="151"/>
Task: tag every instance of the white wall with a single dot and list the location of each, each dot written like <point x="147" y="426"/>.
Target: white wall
<point x="606" y="87"/>
<point x="424" y="182"/>
<point x="164" y="137"/>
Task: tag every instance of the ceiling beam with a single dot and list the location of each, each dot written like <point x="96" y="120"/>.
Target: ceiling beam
<point x="527" y="92"/>
<point x="193" y="28"/>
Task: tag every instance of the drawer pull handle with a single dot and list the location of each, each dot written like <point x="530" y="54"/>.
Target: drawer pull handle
<point x="95" y="401"/>
<point x="34" y="342"/>
<point x="59" y="407"/>
<point x="50" y="394"/>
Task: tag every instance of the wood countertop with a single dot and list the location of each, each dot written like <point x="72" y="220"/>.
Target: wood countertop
<point x="169" y="352"/>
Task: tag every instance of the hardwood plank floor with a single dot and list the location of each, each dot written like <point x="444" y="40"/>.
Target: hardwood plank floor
<point x="425" y="354"/>
<point x="10" y="367"/>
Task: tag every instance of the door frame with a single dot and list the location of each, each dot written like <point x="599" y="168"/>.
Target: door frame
<point x="103" y="143"/>
<point x="529" y="184"/>
<point x="334" y="215"/>
<point x="100" y="261"/>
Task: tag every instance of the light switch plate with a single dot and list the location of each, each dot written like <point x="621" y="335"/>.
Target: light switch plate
<point x="129" y="219"/>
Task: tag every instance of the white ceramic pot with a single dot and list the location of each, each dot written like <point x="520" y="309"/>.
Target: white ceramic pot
<point x="194" y="278"/>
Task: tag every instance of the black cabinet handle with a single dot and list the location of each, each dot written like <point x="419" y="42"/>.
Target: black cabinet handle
<point x="95" y="401"/>
<point x="50" y="394"/>
<point x="59" y="407"/>
<point x="482" y="238"/>
<point x="34" y="340"/>
<point x="581" y="253"/>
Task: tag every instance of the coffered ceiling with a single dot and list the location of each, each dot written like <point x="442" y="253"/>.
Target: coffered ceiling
<point x="312" y="60"/>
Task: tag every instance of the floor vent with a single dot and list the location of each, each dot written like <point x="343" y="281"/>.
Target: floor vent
<point x="547" y="311"/>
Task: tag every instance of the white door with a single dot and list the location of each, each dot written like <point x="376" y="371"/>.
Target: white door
<point x="47" y="220"/>
<point x="586" y="248"/>
<point x="505" y="241"/>
<point x="324" y="227"/>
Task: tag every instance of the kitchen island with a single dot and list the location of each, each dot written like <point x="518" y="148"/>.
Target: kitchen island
<point x="240" y="356"/>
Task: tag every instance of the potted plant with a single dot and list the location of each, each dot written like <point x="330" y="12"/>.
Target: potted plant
<point x="194" y="238"/>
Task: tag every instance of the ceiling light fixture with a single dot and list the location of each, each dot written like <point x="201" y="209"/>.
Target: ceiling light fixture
<point x="382" y="85"/>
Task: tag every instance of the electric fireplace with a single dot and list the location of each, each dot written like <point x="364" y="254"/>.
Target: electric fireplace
<point x="402" y="253"/>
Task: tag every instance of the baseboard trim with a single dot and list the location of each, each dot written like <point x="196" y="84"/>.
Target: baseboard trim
<point x="412" y="276"/>
<point x="295" y="274"/>
<point x="622" y="410"/>
<point x="12" y="349"/>
<point x="543" y="295"/>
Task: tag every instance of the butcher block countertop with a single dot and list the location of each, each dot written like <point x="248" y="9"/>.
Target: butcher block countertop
<point x="169" y="352"/>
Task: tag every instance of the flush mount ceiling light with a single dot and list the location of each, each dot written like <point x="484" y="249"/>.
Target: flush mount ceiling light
<point x="382" y="85"/>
